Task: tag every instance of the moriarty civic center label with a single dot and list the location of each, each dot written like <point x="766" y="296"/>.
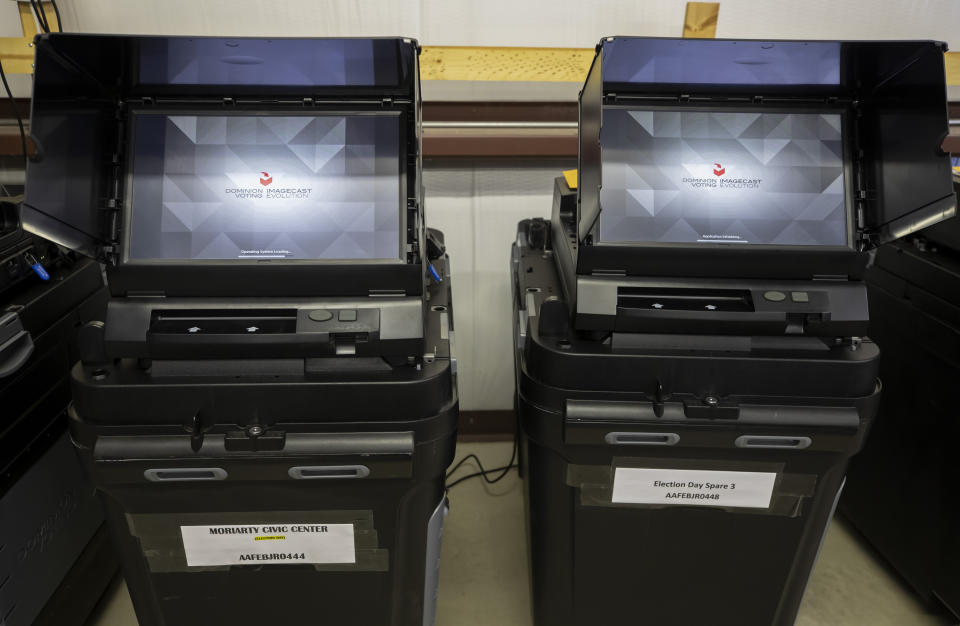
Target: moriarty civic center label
<point x="268" y="544"/>
<point x="634" y="485"/>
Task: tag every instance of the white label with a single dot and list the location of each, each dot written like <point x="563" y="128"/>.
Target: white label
<point x="268" y="544"/>
<point x="633" y="485"/>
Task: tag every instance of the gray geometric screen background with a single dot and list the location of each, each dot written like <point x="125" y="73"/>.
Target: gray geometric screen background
<point x="265" y="187"/>
<point x="708" y="177"/>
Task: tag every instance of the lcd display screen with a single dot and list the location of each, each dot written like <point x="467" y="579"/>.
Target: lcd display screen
<point x="218" y="187"/>
<point x="722" y="177"/>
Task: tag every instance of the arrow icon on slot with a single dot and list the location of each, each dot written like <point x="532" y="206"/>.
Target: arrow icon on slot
<point x="252" y="329"/>
<point x="711" y="307"/>
<point x="657" y="305"/>
<point x="193" y="329"/>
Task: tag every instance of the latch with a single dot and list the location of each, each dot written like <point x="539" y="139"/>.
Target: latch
<point x="16" y="345"/>
<point x="712" y="408"/>
<point x="255" y="438"/>
<point x="345" y="344"/>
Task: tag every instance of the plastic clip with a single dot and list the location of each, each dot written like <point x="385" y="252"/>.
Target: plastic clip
<point x="37" y="267"/>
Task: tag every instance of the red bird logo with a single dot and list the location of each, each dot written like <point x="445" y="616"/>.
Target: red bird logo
<point x="719" y="170"/>
<point x="265" y="178"/>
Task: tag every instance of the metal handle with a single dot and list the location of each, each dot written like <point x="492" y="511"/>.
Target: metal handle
<point x="184" y="474"/>
<point x="642" y="439"/>
<point x="328" y="471"/>
<point x="772" y="442"/>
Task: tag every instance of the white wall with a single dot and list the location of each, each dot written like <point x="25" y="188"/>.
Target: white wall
<point x="478" y="208"/>
<point x="559" y="23"/>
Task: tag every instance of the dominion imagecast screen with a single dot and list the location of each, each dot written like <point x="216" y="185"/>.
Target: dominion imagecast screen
<point x="216" y="187"/>
<point x="722" y="177"/>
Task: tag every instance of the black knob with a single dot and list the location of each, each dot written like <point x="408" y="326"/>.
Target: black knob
<point x="91" y="343"/>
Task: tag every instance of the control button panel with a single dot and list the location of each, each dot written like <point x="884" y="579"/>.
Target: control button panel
<point x="320" y="315"/>
<point x="335" y="320"/>
<point x="774" y="296"/>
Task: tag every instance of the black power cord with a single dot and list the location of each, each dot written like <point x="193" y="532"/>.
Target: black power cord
<point x="16" y="112"/>
<point x="41" y="16"/>
<point x="485" y="472"/>
<point x="56" y="11"/>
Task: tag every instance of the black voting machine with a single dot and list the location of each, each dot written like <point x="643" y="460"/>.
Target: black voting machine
<point x="692" y="362"/>
<point x="900" y="488"/>
<point x="56" y="558"/>
<point x="269" y="405"/>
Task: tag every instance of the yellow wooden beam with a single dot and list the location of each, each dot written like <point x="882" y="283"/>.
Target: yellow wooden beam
<point x="537" y="64"/>
<point x="437" y="62"/>
<point x="700" y="21"/>
<point x="508" y="64"/>
<point x="16" y="53"/>
<point x="953" y="68"/>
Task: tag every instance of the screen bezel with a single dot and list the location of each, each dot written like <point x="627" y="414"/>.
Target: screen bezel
<point x="127" y="209"/>
<point x="847" y="151"/>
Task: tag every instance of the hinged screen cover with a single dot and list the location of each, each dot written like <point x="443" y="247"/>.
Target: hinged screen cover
<point x="174" y="149"/>
<point x="784" y="143"/>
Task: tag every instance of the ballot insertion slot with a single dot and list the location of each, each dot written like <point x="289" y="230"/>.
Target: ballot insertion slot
<point x="224" y="321"/>
<point x="679" y="299"/>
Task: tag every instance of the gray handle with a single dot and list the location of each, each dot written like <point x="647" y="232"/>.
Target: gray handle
<point x="184" y="474"/>
<point x="315" y="472"/>
<point x="642" y="439"/>
<point x="16" y="345"/>
<point x="772" y="442"/>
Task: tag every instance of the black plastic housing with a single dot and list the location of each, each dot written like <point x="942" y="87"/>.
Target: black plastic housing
<point x="946" y="233"/>
<point x="55" y="563"/>
<point x="255" y="421"/>
<point x="592" y="402"/>
<point x="900" y="488"/>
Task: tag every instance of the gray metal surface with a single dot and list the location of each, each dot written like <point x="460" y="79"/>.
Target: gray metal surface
<point x="431" y="581"/>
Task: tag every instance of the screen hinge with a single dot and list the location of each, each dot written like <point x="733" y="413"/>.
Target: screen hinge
<point x="608" y="273"/>
<point x="110" y="255"/>
<point x="386" y="293"/>
<point x="833" y="277"/>
<point x="146" y="294"/>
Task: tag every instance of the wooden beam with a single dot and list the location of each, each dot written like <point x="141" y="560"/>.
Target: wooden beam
<point x="539" y="64"/>
<point x="16" y="53"/>
<point x="700" y="21"/>
<point x="953" y="68"/>
<point x="505" y="64"/>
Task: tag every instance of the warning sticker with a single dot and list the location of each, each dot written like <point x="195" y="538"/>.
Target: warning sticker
<point x="634" y="485"/>
<point x="268" y="544"/>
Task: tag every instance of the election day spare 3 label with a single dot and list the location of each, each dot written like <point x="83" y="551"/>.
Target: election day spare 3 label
<point x="634" y="485"/>
<point x="268" y="544"/>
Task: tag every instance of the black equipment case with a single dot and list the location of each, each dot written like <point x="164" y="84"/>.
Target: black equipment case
<point x="55" y="563"/>
<point x="269" y="407"/>
<point x="689" y="396"/>
<point x="900" y="489"/>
